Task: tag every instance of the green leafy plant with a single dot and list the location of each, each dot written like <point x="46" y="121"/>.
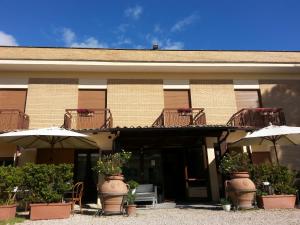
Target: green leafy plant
<point x="280" y="178"/>
<point x="46" y="183"/>
<point x="234" y="162"/>
<point x="132" y="191"/>
<point x="10" y="179"/>
<point x="224" y="201"/>
<point x="112" y="164"/>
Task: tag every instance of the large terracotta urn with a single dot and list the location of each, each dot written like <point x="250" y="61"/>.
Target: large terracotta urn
<point x="241" y="190"/>
<point x="113" y="190"/>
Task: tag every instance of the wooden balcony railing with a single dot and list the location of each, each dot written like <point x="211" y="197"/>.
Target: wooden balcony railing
<point x="180" y="117"/>
<point x="13" y="119"/>
<point x="87" y="119"/>
<point x="257" y="117"/>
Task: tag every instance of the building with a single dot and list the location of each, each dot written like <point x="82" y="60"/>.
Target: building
<point x="175" y="110"/>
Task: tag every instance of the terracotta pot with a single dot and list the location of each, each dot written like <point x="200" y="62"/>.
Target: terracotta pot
<point x="113" y="190"/>
<point x="277" y="201"/>
<point x="44" y="211"/>
<point x="131" y="210"/>
<point x="241" y="190"/>
<point x="7" y="211"/>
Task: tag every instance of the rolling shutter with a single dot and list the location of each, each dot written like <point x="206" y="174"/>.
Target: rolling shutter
<point x="13" y="99"/>
<point x="177" y="98"/>
<point x="91" y="99"/>
<point x="247" y="99"/>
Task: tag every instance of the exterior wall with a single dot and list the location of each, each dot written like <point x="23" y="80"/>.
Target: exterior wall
<point x="284" y="94"/>
<point x="216" y="97"/>
<point x="7" y="150"/>
<point x="135" y="102"/>
<point x="47" y="100"/>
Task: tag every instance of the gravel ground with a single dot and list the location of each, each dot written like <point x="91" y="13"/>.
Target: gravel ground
<point x="184" y="216"/>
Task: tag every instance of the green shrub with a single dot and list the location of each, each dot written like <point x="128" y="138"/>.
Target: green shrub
<point x="234" y="162"/>
<point x="280" y="178"/>
<point x="46" y="183"/>
<point x="10" y="178"/>
<point x="132" y="192"/>
<point x="112" y="164"/>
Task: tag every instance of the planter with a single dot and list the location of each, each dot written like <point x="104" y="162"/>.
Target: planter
<point x="131" y="210"/>
<point x="44" y="211"/>
<point x="113" y="190"/>
<point x="7" y="211"/>
<point x="241" y="190"/>
<point x="277" y="201"/>
<point x="226" y="207"/>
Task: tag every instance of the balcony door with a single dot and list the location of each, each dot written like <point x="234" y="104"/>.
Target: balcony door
<point x="95" y="101"/>
<point x="174" y="102"/>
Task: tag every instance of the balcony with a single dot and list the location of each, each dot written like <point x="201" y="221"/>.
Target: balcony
<point x="78" y="119"/>
<point x="257" y="117"/>
<point x="13" y="119"/>
<point x="180" y="117"/>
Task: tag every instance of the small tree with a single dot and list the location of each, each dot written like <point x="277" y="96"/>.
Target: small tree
<point x="10" y="179"/>
<point x="234" y="162"/>
<point x="112" y="164"/>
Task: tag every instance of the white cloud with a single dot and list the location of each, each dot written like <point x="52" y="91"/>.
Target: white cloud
<point x="157" y="28"/>
<point x="134" y="12"/>
<point x="7" y="39"/>
<point x="69" y="37"/>
<point x="181" y="24"/>
<point x="122" y="28"/>
<point x="173" y="45"/>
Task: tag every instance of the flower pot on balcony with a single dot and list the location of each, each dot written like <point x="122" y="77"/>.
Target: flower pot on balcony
<point x="47" y="211"/>
<point x="277" y="201"/>
<point x="113" y="190"/>
<point x="241" y="190"/>
<point x="7" y="211"/>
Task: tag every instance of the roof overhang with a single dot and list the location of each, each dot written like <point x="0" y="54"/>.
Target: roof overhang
<point x="101" y="66"/>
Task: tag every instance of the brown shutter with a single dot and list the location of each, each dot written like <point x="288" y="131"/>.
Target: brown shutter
<point x="13" y="99"/>
<point x="92" y="99"/>
<point x="247" y="99"/>
<point x="177" y="98"/>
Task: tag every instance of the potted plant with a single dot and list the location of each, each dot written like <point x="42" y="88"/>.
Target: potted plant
<point x="45" y="186"/>
<point x="226" y="205"/>
<point x="10" y="180"/>
<point x="131" y="207"/>
<point x="275" y="186"/>
<point x="240" y="188"/>
<point x="113" y="188"/>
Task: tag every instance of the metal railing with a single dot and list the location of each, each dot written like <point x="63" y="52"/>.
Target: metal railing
<point x="87" y="119"/>
<point x="13" y="119"/>
<point x="180" y="117"/>
<point x="257" y="117"/>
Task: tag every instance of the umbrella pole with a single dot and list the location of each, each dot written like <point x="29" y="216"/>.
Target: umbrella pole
<point x="274" y="144"/>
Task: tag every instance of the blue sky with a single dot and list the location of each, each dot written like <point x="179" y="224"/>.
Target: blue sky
<point x="173" y="24"/>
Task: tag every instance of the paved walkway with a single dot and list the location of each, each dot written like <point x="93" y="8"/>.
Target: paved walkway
<point x="185" y="216"/>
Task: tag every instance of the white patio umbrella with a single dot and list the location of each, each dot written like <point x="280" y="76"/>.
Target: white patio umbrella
<point x="52" y="138"/>
<point x="272" y="136"/>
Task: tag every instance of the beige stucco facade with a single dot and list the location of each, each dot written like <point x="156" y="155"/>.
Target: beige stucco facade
<point x="216" y="97"/>
<point x="47" y="100"/>
<point x="135" y="102"/>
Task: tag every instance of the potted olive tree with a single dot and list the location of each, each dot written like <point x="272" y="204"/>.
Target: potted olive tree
<point x="275" y="186"/>
<point x="113" y="188"/>
<point x="131" y="207"/>
<point x="45" y="186"/>
<point x="10" y="180"/>
<point x="240" y="188"/>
